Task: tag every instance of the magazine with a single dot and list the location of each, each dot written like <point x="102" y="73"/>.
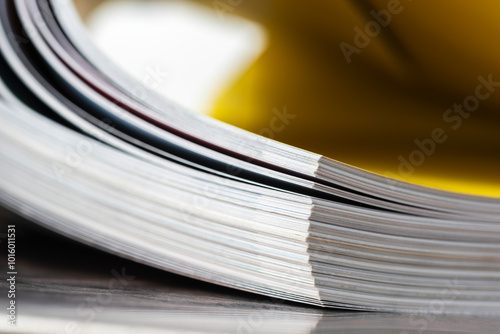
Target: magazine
<point x="84" y="155"/>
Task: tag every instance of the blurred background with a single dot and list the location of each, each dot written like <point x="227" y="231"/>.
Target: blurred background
<point x="406" y="89"/>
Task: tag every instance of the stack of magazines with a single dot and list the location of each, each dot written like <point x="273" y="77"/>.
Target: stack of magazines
<point x="87" y="152"/>
<point x="118" y="296"/>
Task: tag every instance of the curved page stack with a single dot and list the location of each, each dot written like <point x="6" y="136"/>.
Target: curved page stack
<point x="82" y="153"/>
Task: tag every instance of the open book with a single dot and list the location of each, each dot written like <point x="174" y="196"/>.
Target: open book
<point x="86" y="154"/>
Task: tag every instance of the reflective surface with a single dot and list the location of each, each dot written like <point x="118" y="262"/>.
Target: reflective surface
<point x="66" y="287"/>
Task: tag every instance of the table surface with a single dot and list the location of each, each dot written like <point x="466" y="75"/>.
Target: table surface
<point x="66" y="287"/>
